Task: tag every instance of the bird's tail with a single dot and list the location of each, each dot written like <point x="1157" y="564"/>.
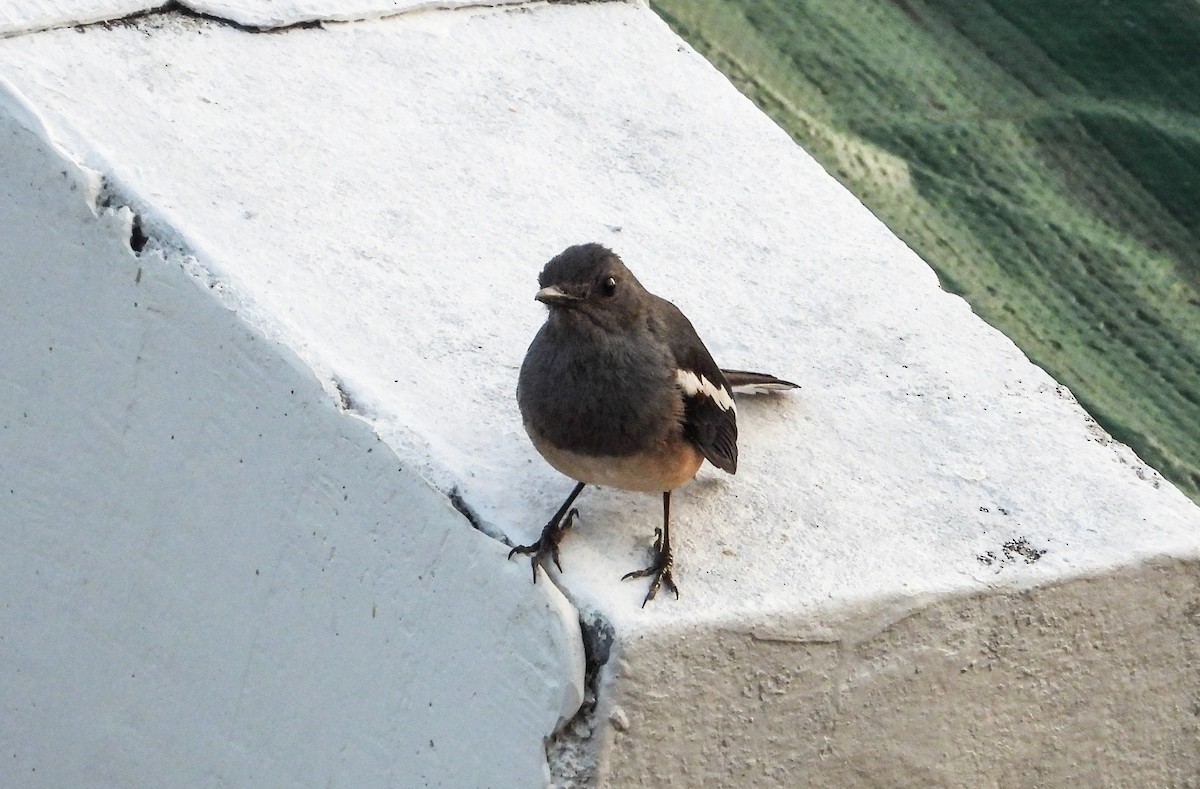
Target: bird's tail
<point x="756" y="383"/>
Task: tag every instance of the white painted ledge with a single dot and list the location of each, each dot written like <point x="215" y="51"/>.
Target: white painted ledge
<point x="380" y="196"/>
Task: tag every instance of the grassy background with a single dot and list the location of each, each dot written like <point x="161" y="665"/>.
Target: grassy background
<point x="1042" y="155"/>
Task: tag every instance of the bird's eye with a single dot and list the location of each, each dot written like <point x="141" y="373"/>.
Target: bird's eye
<point x="608" y="286"/>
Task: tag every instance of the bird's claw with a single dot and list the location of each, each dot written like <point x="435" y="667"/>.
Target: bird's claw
<point x="537" y="551"/>
<point x="660" y="568"/>
<point x="547" y="544"/>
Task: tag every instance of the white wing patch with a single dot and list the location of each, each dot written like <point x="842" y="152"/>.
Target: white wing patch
<point x="693" y="385"/>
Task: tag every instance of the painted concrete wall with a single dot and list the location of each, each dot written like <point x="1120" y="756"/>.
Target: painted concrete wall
<point x="212" y="576"/>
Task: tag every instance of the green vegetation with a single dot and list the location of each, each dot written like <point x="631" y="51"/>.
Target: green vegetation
<point x="1042" y="155"/>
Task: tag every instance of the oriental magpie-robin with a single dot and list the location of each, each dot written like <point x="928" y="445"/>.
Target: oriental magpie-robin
<point x="618" y="390"/>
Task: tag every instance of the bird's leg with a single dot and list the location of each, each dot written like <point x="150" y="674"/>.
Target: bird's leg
<point x="662" y="565"/>
<point x="547" y="544"/>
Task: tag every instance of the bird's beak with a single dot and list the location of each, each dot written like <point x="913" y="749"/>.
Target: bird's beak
<point x="555" y="297"/>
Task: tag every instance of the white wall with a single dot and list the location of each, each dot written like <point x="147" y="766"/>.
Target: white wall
<point x="208" y="574"/>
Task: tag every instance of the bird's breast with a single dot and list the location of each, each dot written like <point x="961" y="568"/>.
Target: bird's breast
<point x="612" y="397"/>
<point x="662" y="467"/>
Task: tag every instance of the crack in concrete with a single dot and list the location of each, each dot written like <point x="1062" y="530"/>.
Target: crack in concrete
<point x="573" y="751"/>
<point x="199" y="12"/>
<point x="110" y="200"/>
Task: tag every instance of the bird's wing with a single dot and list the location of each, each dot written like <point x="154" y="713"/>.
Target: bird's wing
<point x="709" y="417"/>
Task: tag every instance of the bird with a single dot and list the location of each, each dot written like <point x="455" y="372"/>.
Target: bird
<point x="618" y="390"/>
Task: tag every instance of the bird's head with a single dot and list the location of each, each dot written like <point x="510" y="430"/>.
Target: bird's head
<point x="589" y="282"/>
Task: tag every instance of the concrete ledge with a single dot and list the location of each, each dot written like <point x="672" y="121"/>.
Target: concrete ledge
<point x="378" y="197"/>
<point x="1084" y="682"/>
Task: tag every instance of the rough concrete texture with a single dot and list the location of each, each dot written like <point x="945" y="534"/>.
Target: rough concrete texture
<point x="1087" y="682"/>
<point x="380" y="197"/>
<point x="209" y="575"/>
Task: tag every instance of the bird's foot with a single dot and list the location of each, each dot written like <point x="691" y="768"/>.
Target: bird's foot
<point x="547" y="544"/>
<point x="660" y="569"/>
